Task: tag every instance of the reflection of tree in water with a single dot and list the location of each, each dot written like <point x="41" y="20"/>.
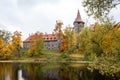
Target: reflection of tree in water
<point x="78" y="73"/>
<point x="32" y="72"/>
<point x="28" y="72"/>
<point x="8" y="71"/>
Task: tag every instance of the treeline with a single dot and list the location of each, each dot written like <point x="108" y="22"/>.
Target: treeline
<point x="95" y="40"/>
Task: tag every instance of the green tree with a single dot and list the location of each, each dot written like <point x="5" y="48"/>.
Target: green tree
<point x="83" y="40"/>
<point x="99" y="8"/>
<point x="91" y="39"/>
<point x="36" y="44"/>
<point x="69" y="40"/>
<point x="40" y="45"/>
<point x="101" y="45"/>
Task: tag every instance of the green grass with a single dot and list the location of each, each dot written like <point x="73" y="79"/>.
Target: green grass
<point x="48" y="56"/>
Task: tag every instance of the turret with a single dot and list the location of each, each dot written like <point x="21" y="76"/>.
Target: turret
<point x="78" y="23"/>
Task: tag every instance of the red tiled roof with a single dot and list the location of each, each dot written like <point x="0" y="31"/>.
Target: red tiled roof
<point x="50" y="37"/>
<point x="29" y="38"/>
<point x="47" y="37"/>
<point x="78" y="18"/>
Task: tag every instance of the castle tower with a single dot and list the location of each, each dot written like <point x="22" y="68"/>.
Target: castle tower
<point x="78" y="23"/>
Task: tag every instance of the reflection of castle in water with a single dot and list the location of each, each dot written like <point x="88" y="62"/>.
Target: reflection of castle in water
<point x="59" y="73"/>
<point x="51" y="74"/>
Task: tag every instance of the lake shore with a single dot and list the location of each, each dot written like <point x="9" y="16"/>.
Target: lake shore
<point x="40" y="61"/>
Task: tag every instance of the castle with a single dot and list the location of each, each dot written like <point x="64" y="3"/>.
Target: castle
<point x="50" y="40"/>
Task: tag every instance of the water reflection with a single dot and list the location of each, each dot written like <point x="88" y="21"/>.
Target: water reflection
<point x="37" y="71"/>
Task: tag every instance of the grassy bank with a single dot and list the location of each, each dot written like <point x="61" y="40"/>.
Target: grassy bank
<point x="47" y="56"/>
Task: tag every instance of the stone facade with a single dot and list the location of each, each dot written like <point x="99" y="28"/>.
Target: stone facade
<point x="26" y="44"/>
<point x="51" y="45"/>
<point x="50" y="42"/>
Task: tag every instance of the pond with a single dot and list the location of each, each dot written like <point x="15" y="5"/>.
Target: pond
<point x="47" y="71"/>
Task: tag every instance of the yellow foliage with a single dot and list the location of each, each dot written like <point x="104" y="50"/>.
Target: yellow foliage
<point x="16" y="39"/>
<point x="107" y="41"/>
<point x="5" y="49"/>
<point x="119" y="29"/>
<point x="74" y="40"/>
<point x="69" y="40"/>
<point x="1" y="46"/>
<point x="7" y="52"/>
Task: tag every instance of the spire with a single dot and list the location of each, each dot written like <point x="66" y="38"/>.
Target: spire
<point x="78" y="18"/>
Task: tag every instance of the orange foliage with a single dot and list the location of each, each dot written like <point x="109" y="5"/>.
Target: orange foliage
<point x="64" y="43"/>
<point x="5" y="49"/>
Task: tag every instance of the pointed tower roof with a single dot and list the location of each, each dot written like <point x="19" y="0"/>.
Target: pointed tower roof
<point x="78" y="18"/>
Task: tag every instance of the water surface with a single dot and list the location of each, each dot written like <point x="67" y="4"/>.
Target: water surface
<point x="47" y="71"/>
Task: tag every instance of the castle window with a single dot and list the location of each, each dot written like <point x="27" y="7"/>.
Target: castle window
<point x="52" y="45"/>
<point x="48" y="44"/>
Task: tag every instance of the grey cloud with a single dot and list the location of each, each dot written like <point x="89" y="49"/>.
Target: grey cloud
<point x="30" y="3"/>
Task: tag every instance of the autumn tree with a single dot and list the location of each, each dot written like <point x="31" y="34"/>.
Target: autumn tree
<point x="1" y="46"/>
<point x="91" y="39"/>
<point x="5" y="44"/>
<point x="83" y="39"/>
<point x="101" y="45"/>
<point x="17" y="41"/>
<point x="58" y="31"/>
<point x="40" y="45"/>
<point x="36" y="44"/>
<point x="64" y="44"/>
<point x="69" y="40"/>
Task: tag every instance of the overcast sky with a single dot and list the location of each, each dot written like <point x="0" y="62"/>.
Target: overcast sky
<point x="29" y="16"/>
